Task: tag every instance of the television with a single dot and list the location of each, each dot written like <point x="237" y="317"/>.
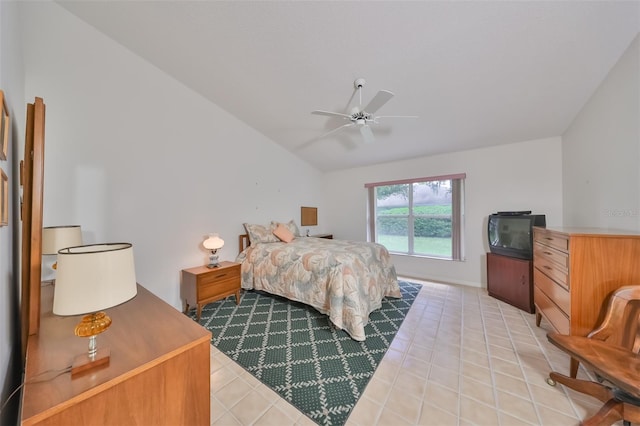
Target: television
<point x="511" y="234"/>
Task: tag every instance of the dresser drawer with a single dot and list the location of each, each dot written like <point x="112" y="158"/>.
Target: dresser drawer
<point x="219" y="275"/>
<point x="218" y="288"/>
<point x="559" y="321"/>
<point x="551" y="239"/>
<point x="552" y="255"/>
<point x="553" y="271"/>
<point x="558" y="294"/>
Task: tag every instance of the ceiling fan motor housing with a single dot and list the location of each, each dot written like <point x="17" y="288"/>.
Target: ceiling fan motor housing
<point x="361" y="117"/>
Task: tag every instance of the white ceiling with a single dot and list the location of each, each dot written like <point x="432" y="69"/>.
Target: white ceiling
<point x="476" y="73"/>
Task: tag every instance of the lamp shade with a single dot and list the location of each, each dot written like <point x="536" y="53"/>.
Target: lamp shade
<point x="55" y="238"/>
<point x="94" y="277"/>
<point x="214" y="242"/>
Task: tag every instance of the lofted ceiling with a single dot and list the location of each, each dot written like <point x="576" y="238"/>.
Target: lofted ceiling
<point x="476" y="73"/>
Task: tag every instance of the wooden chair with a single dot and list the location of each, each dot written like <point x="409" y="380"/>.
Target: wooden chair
<point x="611" y="351"/>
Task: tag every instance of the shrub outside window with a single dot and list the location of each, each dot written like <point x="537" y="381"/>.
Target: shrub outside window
<point x="420" y="217"/>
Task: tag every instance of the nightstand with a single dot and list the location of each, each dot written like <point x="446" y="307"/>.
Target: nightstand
<point x="327" y="236"/>
<point x="202" y="285"/>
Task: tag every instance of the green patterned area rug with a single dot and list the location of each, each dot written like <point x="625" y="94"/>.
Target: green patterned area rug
<point x="291" y="348"/>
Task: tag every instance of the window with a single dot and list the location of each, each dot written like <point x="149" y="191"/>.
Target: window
<point x="421" y="217"/>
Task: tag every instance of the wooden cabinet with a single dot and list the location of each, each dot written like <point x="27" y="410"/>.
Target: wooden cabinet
<point x="575" y="270"/>
<point x="509" y="279"/>
<point x="158" y="373"/>
<point x="202" y="285"/>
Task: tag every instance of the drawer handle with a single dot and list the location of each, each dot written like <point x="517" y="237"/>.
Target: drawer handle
<point x="221" y="275"/>
<point x="549" y="238"/>
<point x="546" y="267"/>
<point x="548" y="253"/>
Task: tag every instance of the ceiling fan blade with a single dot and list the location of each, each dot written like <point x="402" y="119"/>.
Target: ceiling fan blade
<point x="381" y="98"/>
<point x="378" y="117"/>
<point x="366" y="133"/>
<point x="317" y="138"/>
<point x="330" y="132"/>
<point x="331" y="114"/>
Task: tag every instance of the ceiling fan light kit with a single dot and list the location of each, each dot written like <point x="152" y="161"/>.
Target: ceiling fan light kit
<point x="362" y="117"/>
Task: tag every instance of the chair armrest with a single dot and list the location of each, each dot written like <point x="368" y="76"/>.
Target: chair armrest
<point x="615" y="311"/>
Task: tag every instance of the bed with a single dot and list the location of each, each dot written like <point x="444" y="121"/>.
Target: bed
<point x="346" y="280"/>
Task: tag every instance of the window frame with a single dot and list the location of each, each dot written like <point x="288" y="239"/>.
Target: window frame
<point x="457" y="213"/>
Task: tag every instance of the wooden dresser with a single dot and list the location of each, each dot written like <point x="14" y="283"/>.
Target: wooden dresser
<point x="575" y="269"/>
<point x="158" y="374"/>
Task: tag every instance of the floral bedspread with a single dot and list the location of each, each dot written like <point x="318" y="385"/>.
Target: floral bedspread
<point x="345" y="280"/>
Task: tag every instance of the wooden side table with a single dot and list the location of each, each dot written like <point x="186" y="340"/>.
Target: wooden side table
<point x="202" y="285"/>
<point x="327" y="236"/>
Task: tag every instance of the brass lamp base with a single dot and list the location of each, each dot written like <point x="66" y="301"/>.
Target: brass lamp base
<point x="90" y="326"/>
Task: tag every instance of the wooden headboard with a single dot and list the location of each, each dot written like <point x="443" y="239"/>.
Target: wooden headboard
<point x="243" y="242"/>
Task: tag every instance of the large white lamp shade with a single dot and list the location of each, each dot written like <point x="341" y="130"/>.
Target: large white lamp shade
<point x="94" y="277"/>
<point x="55" y="238"/>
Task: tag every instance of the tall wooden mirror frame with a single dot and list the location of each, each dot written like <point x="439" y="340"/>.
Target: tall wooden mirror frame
<point x="32" y="181"/>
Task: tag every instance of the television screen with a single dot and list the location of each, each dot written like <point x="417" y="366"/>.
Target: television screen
<point x="512" y="235"/>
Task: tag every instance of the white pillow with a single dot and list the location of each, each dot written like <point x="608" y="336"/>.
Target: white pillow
<point x="260" y="234"/>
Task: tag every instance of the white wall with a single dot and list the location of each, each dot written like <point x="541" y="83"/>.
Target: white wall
<point x="11" y="82"/>
<point x="133" y="155"/>
<point x="519" y="176"/>
<point x="601" y="152"/>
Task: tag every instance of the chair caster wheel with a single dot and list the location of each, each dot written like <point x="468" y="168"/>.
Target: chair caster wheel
<point x="550" y="381"/>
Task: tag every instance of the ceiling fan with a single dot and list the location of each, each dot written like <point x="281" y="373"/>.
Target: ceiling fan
<point x="361" y="117"/>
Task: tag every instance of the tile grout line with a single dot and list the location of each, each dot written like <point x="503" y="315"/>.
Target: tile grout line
<point x="460" y="375"/>
<point x="548" y="360"/>
<point x="411" y="341"/>
<point x="524" y="376"/>
<point x="494" y="387"/>
<point x="404" y="355"/>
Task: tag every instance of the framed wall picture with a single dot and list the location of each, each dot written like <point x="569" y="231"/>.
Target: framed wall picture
<point x="4" y="199"/>
<point x="308" y="216"/>
<point x="4" y="127"/>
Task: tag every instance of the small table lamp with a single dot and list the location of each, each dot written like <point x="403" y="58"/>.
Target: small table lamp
<point x="213" y="243"/>
<point x="91" y="278"/>
<point x="55" y="238"/>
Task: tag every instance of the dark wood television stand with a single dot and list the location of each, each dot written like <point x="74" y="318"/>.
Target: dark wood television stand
<point x="511" y="280"/>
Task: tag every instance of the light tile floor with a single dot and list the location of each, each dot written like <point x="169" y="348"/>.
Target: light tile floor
<point x="461" y="358"/>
